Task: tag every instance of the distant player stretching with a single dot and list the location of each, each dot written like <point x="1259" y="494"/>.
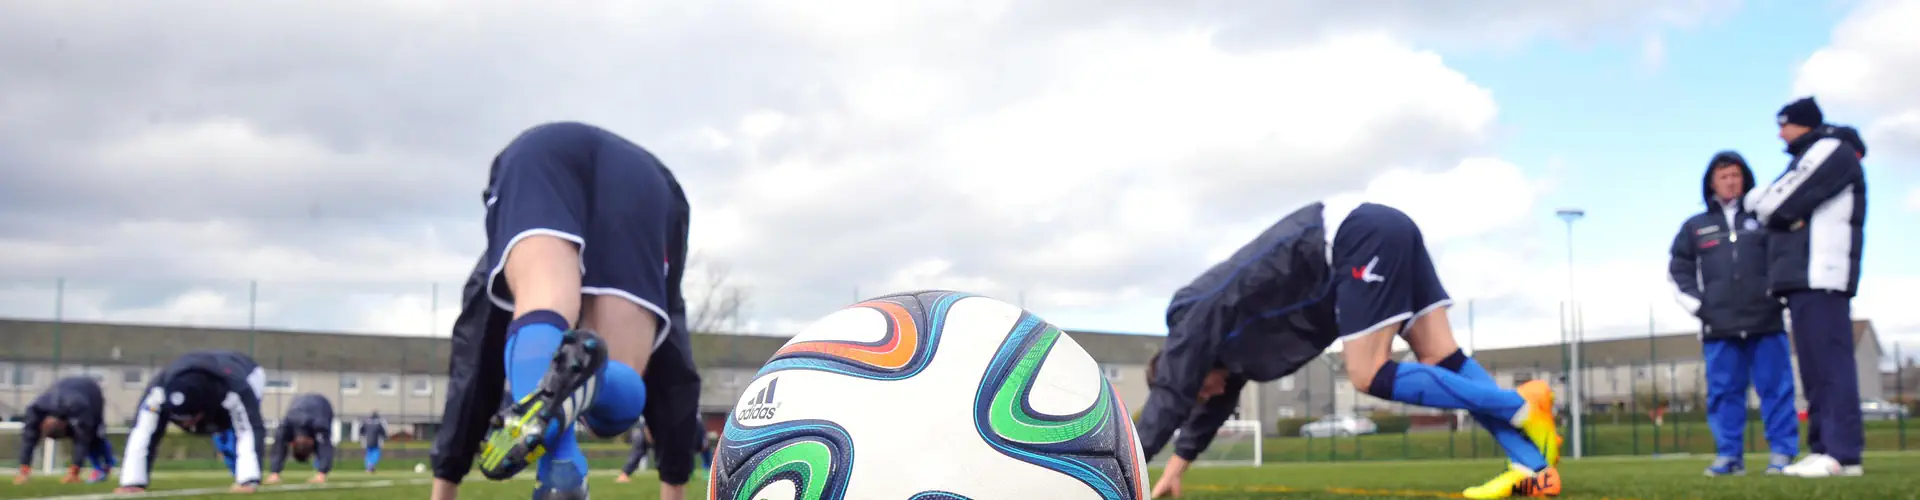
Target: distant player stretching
<point x="73" y="408"/>
<point x="1356" y="274"/>
<point x="307" y="431"/>
<point x="207" y="393"/>
<point x="586" y="242"/>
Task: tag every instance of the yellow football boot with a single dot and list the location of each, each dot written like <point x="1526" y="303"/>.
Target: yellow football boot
<point x="1503" y="485"/>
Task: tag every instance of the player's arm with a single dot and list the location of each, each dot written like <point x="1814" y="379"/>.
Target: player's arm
<point x="143" y="441"/>
<point x="1683" y="268"/>
<point x="323" y="451"/>
<point x="1198" y="432"/>
<point x="29" y="441"/>
<point x="278" y="449"/>
<point x="1174" y="390"/>
<point x="249" y="436"/>
<point x="85" y="430"/>
<point x="1828" y="167"/>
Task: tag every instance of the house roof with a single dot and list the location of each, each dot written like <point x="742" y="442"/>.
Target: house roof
<point x="154" y="345"/>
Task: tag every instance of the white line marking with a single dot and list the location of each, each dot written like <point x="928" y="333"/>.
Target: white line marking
<point x="263" y="490"/>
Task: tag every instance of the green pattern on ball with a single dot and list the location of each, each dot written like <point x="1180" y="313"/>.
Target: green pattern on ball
<point x="1009" y="418"/>
<point x="811" y="459"/>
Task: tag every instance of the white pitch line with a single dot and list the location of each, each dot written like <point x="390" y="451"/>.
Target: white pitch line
<point x="223" y="489"/>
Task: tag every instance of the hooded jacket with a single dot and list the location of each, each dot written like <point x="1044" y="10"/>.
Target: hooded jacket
<point x="310" y="415"/>
<point x="1719" y="261"/>
<point x="1814" y="213"/>
<point x="221" y="387"/>
<point x="78" y="401"/>
<point x="1260" y="314"/>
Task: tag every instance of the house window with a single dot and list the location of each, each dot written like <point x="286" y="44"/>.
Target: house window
<point x="1286" y="383"/>
<point x="132" y="378"/>
<point x="1112" y="372"/>
<point x="279" y="381"/>
<point x="23" y="375"/>
<point x="349" y="383"/>
<point x="386" y="384"/>
<point x="422" y="386"/>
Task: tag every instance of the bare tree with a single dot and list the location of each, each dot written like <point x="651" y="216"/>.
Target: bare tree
<point x="715" y="301"/>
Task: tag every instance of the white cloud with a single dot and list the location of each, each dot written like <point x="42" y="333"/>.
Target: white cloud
<point x="1085" y="159"/>
<point x="1866" y="76"/>
<point x="1913" y="200"/>
<point x="1653" y="52"/>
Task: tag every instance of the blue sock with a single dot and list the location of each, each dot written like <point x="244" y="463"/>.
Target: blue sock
<point x="532" y="340"/>
<point x="622" y="396"/>
<point x="1434" y="387"/>
<point x="1519" y="449"/>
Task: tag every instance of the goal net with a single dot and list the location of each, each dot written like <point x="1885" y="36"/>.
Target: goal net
<point x="1238" y="443"/>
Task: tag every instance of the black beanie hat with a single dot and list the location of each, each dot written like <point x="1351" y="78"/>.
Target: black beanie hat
<point x="1803" y="112"/>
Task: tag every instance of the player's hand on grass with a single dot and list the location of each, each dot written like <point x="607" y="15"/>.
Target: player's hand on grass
<point x="318" y="478"/>
<point x="130" y="489"/>
<point x="272" y="479"/>
<point x="1169" y="486"/>
<point x="623" y="478"/>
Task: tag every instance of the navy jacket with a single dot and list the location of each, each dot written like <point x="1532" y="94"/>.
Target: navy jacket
<point x="373" y="432"/>
<point x="1719" y="265"/>
<point x="309" y="415"/>
<point x="1815" y="212"/>
<point x="78" y="401"/>
<point x="237" y="381"/>
<point x="1261" y="314"/>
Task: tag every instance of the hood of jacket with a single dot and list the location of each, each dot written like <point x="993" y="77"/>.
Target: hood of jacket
<point x="1844" y="133"/>
<point x="1706" y="180"/>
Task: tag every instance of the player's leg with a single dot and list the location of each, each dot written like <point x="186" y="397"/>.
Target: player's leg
<point x="626" y="278"/>
<point x="373" y="459"/>
<point x="1772" y="370"/>
<point x="1727" y="378"/>
<point x="225" y="443"/>
<point x="536" y="222"/>
<point x="100" y="457"/>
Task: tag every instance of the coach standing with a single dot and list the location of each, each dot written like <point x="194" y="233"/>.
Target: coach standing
<point x="1719" y="268"/>
<point x="1813" y="214"/>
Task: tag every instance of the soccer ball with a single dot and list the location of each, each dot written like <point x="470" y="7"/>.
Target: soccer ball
<point x="419" y="468"/>
<point x="932" y="395"/>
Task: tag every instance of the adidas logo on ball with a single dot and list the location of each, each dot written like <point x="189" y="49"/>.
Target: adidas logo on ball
<point x="762" y="406"/>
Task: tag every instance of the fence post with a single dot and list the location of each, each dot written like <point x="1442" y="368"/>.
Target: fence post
<point x="1900" y="393"/>
<point x="59" y="319"/>
<point x="1473" y="439"/>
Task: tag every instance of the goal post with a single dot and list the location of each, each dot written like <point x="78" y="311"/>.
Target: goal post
<point x="49" y="456"/>
<point x="1239" y="443"/>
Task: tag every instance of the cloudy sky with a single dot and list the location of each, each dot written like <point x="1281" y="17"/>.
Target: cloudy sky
<point x="220" y="163"/>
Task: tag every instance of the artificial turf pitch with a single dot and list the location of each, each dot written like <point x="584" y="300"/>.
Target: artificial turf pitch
<point x="1889" y="476"/>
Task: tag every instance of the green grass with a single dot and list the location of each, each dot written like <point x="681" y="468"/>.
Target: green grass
<point x="1889" y="476"/>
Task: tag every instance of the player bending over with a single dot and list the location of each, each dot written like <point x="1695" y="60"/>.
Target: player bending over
<point x="72" y="408"/>
<point x="1355" y="274"/>
<point x="307" y="429"/>
<point x="586" y="245"/>
<point x="205" y="393"/>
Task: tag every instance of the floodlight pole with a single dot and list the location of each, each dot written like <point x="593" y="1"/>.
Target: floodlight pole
<point x="1576" y="331"/>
